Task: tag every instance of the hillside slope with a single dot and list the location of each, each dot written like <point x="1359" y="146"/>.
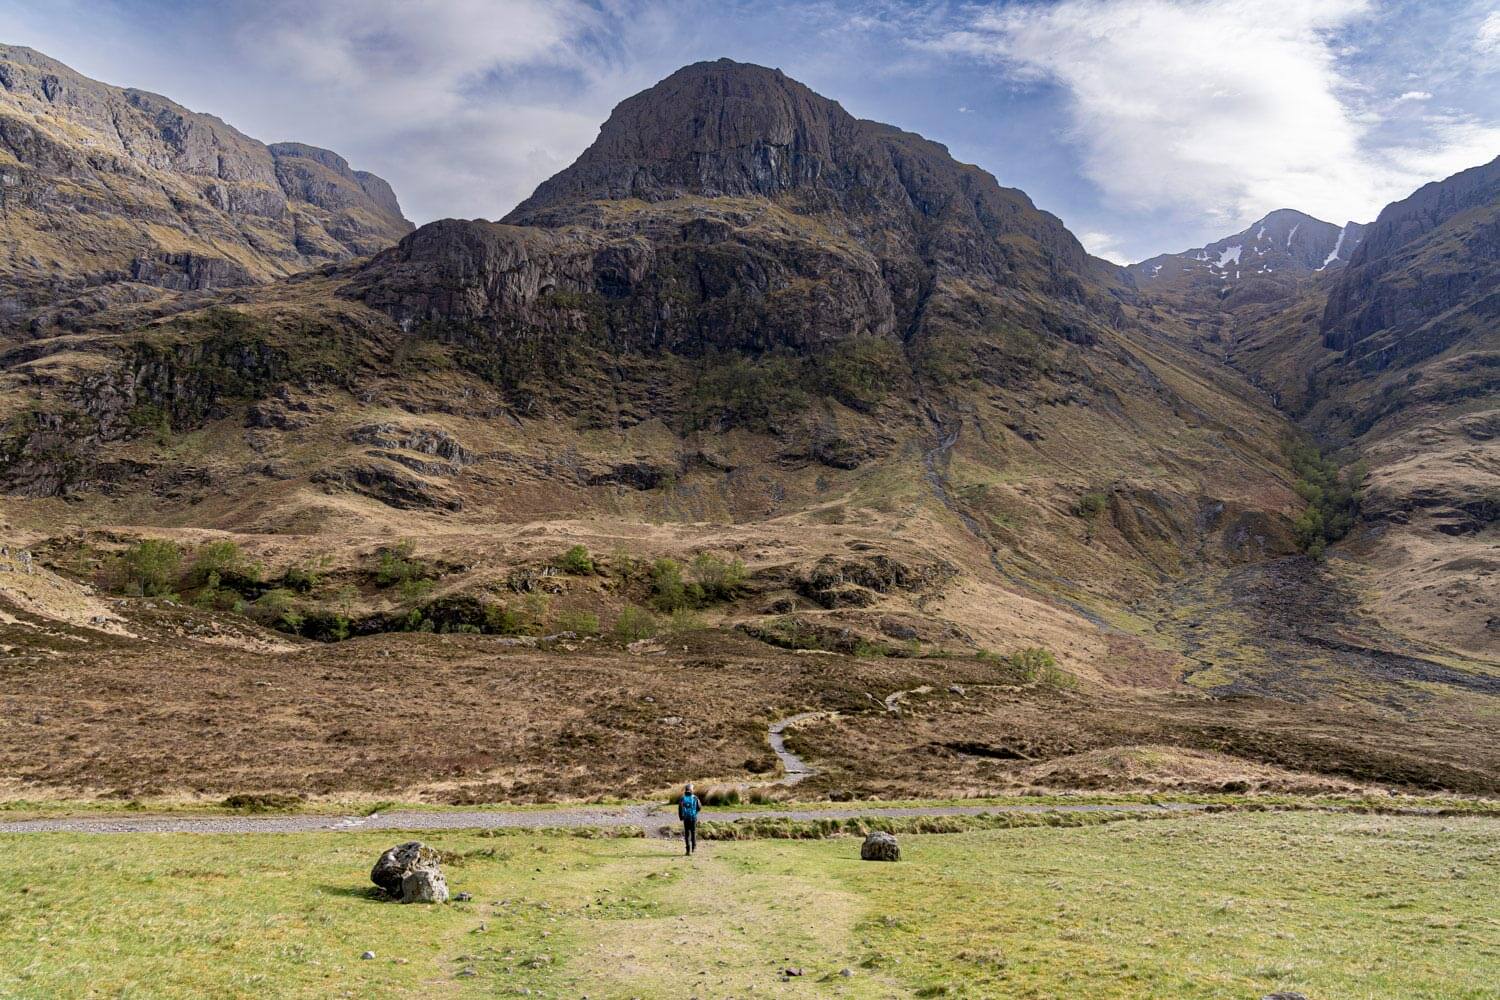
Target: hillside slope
<point x="1391" y="360"/>
<point x="743" y="328"/>
<point x="112" y="195"/>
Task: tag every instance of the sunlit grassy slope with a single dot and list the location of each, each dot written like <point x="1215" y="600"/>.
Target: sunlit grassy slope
<point x="1224" y="906"/>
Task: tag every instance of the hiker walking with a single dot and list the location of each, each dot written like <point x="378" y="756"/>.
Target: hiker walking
<point x="687" y="811"/>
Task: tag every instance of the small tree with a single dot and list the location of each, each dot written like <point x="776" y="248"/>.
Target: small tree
<point x="576" y="561"/>
<point x="150" y="567"/>
<point x="634" y="623"/>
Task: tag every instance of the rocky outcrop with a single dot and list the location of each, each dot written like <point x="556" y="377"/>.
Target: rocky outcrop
<point x="156" y="195"/>
<point x="1426" y="277"/>
<point x="731" y="208"/>
<point x="835" y="583"/>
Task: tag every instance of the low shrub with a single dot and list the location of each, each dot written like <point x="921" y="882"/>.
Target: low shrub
<point x="1091" y="505"/>
<point x="149" y="568"/>
<point x="581" y="622"/>
<point x="718" y="579"/>
<point x="634" y="624"/>
<point x="576" y="561"/>
<point x="669" y="592"/>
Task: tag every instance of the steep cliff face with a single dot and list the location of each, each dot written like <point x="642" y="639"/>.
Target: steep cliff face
<point x="1426" y="277"/>
<point x="731" y="207"/>
<point x="111" y="194"/>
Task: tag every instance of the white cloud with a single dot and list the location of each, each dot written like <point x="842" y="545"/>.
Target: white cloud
<point x="1221" y="109"/>
<point x="1488" y="39"/>
<point x="1105" y="245"/>
<point x="1415" y="95"/>
<point x="416" y="75"/>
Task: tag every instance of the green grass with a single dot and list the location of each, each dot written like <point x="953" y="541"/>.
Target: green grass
<point x="1226" y="906"/>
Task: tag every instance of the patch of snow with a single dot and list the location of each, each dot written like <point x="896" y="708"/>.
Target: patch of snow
<point x="1232" y="254"/>
<point x="1337" y="246"/>
<point x="1262" y="233"/>
<point x="1292" y="233"/>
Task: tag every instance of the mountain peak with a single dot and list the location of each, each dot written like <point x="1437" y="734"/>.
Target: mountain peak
<point x="1285" y="240"/>
<point x="719" y="128"/>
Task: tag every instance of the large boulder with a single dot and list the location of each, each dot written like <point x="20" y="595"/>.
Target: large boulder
<point x="411" y="873"/>
<point x="880" y="846"/>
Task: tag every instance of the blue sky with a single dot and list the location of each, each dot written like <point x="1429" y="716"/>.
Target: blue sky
<point x="1147" y="125"/>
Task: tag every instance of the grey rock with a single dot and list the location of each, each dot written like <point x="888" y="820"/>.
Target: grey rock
<point x="411" y="873"/>
<point x="424" y="885"/>
<point x="367" y="956"/>
<point x="880" y="846"/>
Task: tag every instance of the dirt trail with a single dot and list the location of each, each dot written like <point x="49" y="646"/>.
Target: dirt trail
<point x="794" y="768"/>
<point x="649" y="817"/>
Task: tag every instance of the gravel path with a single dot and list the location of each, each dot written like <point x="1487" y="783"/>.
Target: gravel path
<point x="651" y="818"/>
<point x="794" y="768"/>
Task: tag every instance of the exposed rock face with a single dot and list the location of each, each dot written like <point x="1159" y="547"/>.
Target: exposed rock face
<point x="730" y="207"/>
<point x="1426" y="276"/>
<point x="157" y="196"/>
<point x="879" y="846"/>
<point x="411" y="873"/>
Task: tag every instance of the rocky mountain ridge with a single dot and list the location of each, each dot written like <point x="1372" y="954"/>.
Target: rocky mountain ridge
<point x="112" y="195"/>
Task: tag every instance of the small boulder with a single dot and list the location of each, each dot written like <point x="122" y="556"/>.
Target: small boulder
<point x="880" y="846"/>
<point x="1283" y="996"/>
<point x="411" y="873"/>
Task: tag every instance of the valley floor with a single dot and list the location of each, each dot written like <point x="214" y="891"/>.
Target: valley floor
<point x="1230" y="905"/>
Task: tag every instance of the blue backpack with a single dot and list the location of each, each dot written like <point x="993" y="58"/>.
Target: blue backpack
<point x="688" y="806"/>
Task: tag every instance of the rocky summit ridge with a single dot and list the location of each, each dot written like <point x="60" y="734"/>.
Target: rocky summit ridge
<point x="112" y="195"/>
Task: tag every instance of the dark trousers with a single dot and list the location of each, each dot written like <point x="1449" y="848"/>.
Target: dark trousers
<point x="690" y="834"/>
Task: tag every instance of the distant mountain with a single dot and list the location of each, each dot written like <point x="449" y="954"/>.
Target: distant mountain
<point x="1286" y="241"/>
<point x="1386" y="351"/>
<point x="111" y="195"/>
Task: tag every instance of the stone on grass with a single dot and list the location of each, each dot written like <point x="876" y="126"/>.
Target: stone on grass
<point x="1283" y="996"/>
<point x="424" y="885"/>
<point x="410" y="872"/>
<point x="367" y="956"/>
<point x="880" y="846"/>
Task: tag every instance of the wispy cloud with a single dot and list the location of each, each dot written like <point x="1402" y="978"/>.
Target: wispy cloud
<point x="1488" y="39"/>
<point x="1225" y="109"/>
<point x="1105" y="245"/>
